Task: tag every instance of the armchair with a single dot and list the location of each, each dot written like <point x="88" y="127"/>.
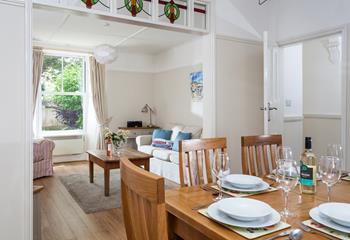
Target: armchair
<point x="42" y="159"/>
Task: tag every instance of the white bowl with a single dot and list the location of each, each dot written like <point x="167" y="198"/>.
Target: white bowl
<point x="316" y="215"/>
<point x="217" y="215"/>
<point x="337" y="212"/>
<point x="244" y="209"/>
<point x="243" y="181"/>
<point x="259" y="188"/>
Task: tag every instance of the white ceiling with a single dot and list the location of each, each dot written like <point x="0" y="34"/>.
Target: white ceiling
<point x="64" y="30"/>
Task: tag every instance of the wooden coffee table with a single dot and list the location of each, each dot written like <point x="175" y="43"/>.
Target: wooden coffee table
<point x="100" y="158"/>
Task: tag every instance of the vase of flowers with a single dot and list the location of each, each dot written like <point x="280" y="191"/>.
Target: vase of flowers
<point x="118" y="139"/>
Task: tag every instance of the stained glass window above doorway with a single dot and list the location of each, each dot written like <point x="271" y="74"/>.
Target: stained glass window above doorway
<point x="200" y="15"/>
<point x="173" y="11"/>
<point x="135" y="8"/>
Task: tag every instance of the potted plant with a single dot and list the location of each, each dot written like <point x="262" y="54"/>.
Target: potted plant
<point x="119" y="139"/>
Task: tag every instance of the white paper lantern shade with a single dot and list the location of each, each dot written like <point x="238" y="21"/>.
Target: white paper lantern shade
<point x="105" y="54"/>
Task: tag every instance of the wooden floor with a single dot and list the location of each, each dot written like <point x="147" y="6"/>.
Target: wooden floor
<point x="63" y="219"/>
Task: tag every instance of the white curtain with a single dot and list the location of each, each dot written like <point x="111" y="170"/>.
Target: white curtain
<point x="97" y="79"/>
<point x="38" y="59"/>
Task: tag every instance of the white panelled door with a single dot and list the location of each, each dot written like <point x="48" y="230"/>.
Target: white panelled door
<point x="273" y="97"/>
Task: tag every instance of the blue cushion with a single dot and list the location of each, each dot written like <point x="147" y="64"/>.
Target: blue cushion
<point x="181" y="136"/>
<point x="162" y="134"/>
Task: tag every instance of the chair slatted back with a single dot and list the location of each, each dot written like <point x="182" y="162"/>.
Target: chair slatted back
<point x="143" y="201"/>
<point x="194" y="159"/>
<point x="259" y="154"/>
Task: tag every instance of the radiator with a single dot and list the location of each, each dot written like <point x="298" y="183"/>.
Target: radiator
<point x="68" y="145"/>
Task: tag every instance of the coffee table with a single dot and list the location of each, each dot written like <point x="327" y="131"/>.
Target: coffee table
<point x="100" y="158"/>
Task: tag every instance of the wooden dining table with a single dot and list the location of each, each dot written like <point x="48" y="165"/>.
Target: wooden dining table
<point x="186" y="222"/>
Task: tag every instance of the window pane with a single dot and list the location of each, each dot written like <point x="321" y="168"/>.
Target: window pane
<point x="52" y="74"/>
<point x="200" y="11"/>
<point x="73" y="74"/>
<point x="175" y="13"/>
<point x="62" y="112"/>
<point x="138" y="8"/>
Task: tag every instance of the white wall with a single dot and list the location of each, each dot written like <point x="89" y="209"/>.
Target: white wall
<point x="293" y="133"/>
<point x="172" y="97"/>
<point x="133" y="62"/>
<point x="16" y="117"/>
<point x="322" y="95"/>
<point x="187" y="54"/>
<point x="126" y="94"/>
<point x="284" y="19"/>
<point x="240" y="19"/>
<point x="322" y="79"/>
<point x="300" y="17"/>
<point x="314" y="82"/>
<point x="291" y="71"/>
<point x="292" y="75"/>
<point x="239" y="93"/>
<point x="172" y="94"/>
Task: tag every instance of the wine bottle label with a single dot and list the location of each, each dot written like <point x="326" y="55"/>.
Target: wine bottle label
<point x="109" y="147"/>
<point x="307" y="175"/>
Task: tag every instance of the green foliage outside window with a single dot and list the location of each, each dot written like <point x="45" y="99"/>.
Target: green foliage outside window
<point x="63" y="76"/>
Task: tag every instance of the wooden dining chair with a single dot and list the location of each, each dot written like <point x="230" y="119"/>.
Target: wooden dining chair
<point x="259" y="154"/>
<point x="194" y="159"/>
<point x="143" y="202"/>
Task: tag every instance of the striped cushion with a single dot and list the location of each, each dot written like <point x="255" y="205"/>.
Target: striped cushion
<point x="162" y="143"/>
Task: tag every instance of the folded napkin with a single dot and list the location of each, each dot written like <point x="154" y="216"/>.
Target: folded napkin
<point x="242" y="194"/>
<point x="251" y="233"/>
<point x="315" y="225"/>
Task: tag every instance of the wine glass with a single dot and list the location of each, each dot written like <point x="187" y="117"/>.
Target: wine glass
<point x="283" y="152"/>
<point x="335" y="150"/>
<point x="329" y="169"/>
<point x="288" y="177"/>
<point x="220" y="169"/>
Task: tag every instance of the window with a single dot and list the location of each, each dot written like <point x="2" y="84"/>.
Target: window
<point x="61" y="106"/>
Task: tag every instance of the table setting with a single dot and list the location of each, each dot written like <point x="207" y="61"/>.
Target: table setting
<point x="252" y="218"/>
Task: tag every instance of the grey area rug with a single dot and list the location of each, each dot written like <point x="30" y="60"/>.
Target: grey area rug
<point x="90" y="196"/>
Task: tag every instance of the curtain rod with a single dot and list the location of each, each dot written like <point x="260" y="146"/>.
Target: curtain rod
<point x="63" y="50"/>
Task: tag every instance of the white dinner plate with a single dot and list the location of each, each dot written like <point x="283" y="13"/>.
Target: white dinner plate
<point x="316" y="215"/>
<point x="244" y="209"/>
<point x="338" y="212"/>
<point x="259" y="188"/>
<point x="217" y="215"/>
<point x="243" y="181"/>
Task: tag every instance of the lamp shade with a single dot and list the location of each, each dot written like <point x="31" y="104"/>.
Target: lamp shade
<point x="105" y="53"/>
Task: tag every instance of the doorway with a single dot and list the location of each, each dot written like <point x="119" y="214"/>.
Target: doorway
<point x="311" y="74"/>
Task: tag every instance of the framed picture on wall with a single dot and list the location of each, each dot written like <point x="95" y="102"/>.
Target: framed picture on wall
<point x="197" y="85"/>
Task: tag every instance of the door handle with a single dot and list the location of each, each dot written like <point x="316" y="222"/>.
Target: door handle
<point x="268" y="109"/>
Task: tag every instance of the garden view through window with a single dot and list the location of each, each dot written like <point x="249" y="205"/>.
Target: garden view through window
<point x="62" y="93"/>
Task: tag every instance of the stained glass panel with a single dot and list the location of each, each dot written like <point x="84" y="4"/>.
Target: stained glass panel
<point x="135" y="8"/>
<point x="173" y="11"/>
<point x="200" y="16"/>
<point x="101" y="5"/>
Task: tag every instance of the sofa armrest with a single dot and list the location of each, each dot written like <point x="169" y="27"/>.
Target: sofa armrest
<point x="143" y="140"/>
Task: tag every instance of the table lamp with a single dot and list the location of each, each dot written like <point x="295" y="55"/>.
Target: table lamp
<point x="148" y="109"/>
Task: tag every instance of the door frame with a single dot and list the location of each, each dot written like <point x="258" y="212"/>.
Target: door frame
<point x="344" y="31"/>
<point x="209" y="102"/>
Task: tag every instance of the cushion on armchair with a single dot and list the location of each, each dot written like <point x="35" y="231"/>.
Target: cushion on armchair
<point x="181" y="136"/>
<point x="162" y="134"/>
<point x="162" y="143"/>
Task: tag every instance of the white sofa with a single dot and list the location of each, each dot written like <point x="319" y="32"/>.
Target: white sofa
<point x="166" y="162"/>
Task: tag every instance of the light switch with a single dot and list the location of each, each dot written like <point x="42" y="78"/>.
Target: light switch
<point x="288" y="103"/>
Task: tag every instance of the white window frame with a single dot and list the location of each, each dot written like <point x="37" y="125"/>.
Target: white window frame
<point x="78" y="132"/>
